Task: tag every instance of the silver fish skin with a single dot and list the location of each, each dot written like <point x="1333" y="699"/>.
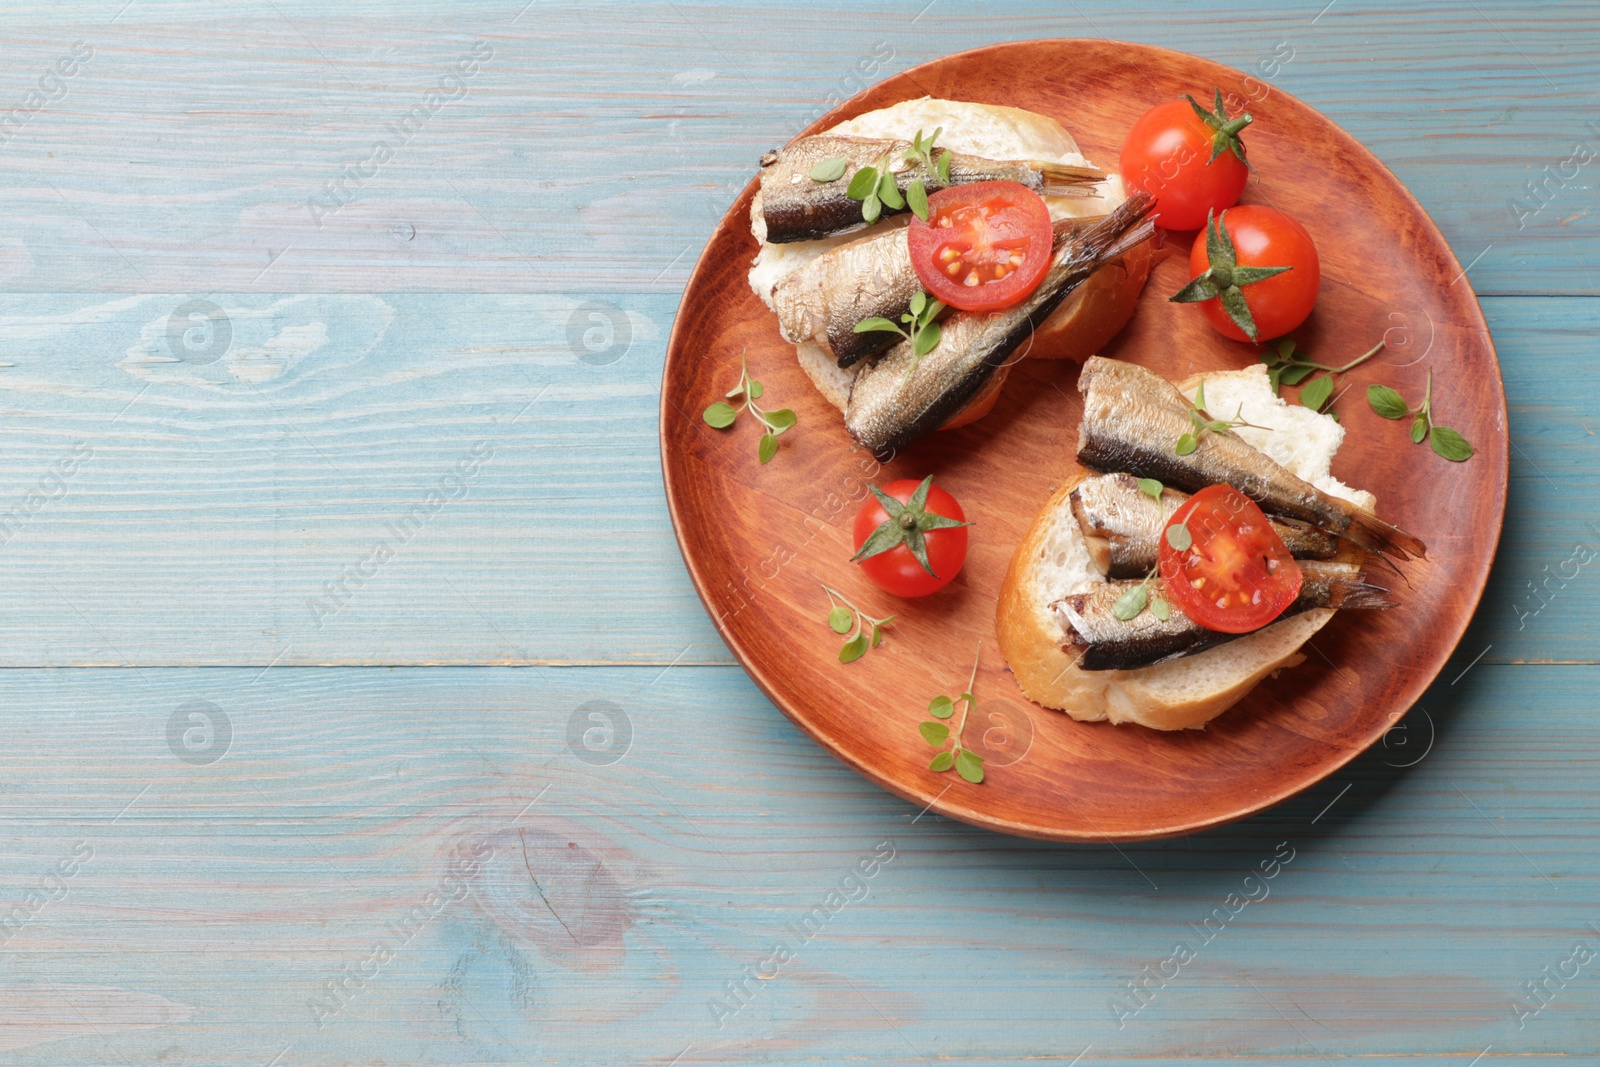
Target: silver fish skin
<point x="899" y="398"/>
<point x="822" y="301"/>
<point x="870" y="277"/>
<point x="1132" y="419"/>
<point x="1108" y="643"/>
<point x="1122" y="526"/>
<point x="796" y="207"/>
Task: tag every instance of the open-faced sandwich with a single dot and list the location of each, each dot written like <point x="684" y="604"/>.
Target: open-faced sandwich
<point x="1131" y="600"/>
<point x="913" y="253"/>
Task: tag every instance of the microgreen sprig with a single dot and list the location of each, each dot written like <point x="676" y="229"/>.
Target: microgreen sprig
<point x="1202" y="422"/>
<point x="1224" y="278"/>
<point x="875" y="185"/>
<point x="721" y="415"/>
<point x="925" y="332"/>
<point x="849" y="621"/>
<point x="906" y="525"/>
<point x="1285" y="367"/>
<point x="968" y="764"/>
<point x="1445" y="441"/>
<point x="921" y="151"/>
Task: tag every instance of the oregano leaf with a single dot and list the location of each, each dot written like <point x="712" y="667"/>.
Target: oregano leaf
<point x="720" y="416"/>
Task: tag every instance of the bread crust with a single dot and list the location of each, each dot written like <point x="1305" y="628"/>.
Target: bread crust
<point x="1150" y="696"/>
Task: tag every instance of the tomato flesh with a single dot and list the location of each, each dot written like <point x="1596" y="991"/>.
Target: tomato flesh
<point x="984" y="246"/>
<point x="1264" y="237"/>
<point x="1166" y="154"/>
<point x="1236" y="576"/>
<point x="897" y="570"/>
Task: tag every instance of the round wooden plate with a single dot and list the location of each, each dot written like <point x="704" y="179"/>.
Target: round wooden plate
<point x="760" y="540"/>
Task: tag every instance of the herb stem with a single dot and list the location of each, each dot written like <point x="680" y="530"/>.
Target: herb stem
<point x="1354" y="363"/>
<point x="967" y="700"/>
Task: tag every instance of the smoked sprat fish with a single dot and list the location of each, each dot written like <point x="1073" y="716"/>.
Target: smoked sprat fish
<point x="1122" y="525"/>
<point x="870" y="277"/>
<point x="899" y="398"/>
<point x="797" y="207"/>
<point x="1132" y="419"/>
<point x="1109" y="643"/>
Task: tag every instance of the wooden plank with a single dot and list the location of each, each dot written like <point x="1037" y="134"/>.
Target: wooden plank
<point x="218" y="519"/>
<point x="224" y="891"/>
<point x="190" y="152"/>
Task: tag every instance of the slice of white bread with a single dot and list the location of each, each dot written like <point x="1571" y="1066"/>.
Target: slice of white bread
<point x="1053" y="561"/>
<point x="1085" y="320"/>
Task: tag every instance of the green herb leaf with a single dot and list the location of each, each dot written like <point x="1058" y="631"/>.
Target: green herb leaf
<point x="927" y="339"/>
<point x="941" y="707"/>
<point x="1449" y="444"/>
<point x="1160" y="609"/>
<point x="935" y="733"/>
<point x="840" y="620"/>
<point x="943" y="167"/>
<point x="1200" y="394"/>
<point x="1179" y="537"/>
<point x="877" y="635"/>
<point x="1419" y="429"/>
<point x="755" y="390"/>
<point x="1387" y="402"/>
<point x="780" y="420"/>
<point x="1132" y="602"/>
<point x="1317" y="394"/>
<point x="862" y="184"/>
<point x="1295" y="373"/>
<point x="829" y="170"/>
<point x="720" y="415"/>
<point x="1150" y="488"/>
<point x="969" y="766"/>
<point x="853" y="649"/>
<point x="871" y="207"/>
<point x="919" y="303"/>
<point x="873" y="324"/>
<point x="1186" y="444"/>
<point x="889" y="192"/>
<point x="767" y="448"/>
<point x="917" y="197"/>
<point x="942" y="762"/>
<point x="1285" y="349"/>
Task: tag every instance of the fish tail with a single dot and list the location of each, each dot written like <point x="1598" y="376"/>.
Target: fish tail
<point x="1356" y="592"/>
<point x="1058" y="179"/>
<point x="1119" y="232"/>
<point x="1372" y="533"/>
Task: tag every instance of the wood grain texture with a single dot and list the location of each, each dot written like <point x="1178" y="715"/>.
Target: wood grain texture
<point x="590" y="161"/>
<point x="227" y="894"/>
<point x="1050" y="776"/>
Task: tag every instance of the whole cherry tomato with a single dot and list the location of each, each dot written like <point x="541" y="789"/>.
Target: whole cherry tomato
<point x="911" y="538"/>
<point x="1189" y="159"/>
<point x="984" y="246"/>
<point x="1235" y="575"/>
<point x="1274" y="268"/>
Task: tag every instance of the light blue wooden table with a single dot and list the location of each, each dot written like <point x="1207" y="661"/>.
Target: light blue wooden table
<point x="358" y="708"/>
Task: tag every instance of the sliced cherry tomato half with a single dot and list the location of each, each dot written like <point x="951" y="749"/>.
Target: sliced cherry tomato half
<point x="1236" y="575"/>
<point x="984" y="246"/>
